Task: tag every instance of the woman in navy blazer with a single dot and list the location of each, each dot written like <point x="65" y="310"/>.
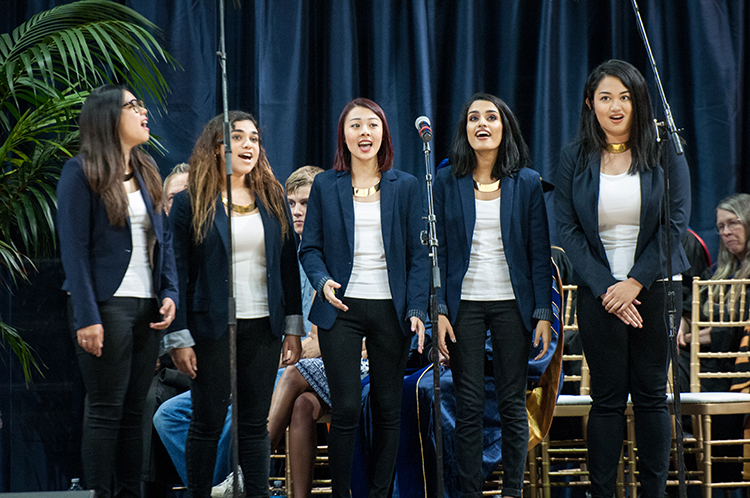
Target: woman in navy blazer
<point x="494" y="254"/>
<point x="362" y="253"/>
<point x="608" y="200"/>
<point x="266" y="288"/>
<point x="120" y="275"/>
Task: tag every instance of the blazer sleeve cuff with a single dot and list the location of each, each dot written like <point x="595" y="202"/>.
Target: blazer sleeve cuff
<point x="443" y="310"/>
<point x="294" y="325"/>
<point x="177" y="339"/>
<point x="320" y="284"/>
<point x="418" y="313"/>
<point x="544" y="314"/>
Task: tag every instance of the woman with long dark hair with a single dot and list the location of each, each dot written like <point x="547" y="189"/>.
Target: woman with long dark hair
<point x="495" y="260"/>
<point x="266" y="290"/>
<point x="120" y="276"/>
<point x="362" y="253"/>
<point x="609" y="203"/>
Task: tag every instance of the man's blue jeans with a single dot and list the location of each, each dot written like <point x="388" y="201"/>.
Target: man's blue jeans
<point x="172" y="421"/>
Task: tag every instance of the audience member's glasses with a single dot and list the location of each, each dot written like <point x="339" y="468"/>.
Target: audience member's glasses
<point x="136" y="105"/>
<point x="732" y="226"/>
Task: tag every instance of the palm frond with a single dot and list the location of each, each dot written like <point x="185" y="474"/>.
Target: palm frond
<point x="48" y="65"/>
<point x="25" y="353"/>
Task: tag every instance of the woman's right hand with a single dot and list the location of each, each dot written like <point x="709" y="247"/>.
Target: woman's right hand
<point x="329" y="292"/>
<point x="444" y="326"/>
<point x="91" y="338"/>
<point x="185" y="361"/>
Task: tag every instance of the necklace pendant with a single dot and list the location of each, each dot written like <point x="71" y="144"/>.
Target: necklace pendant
<point x="617" y="148"/>
<point x="239" y="208"/>
<point x="487" y="187"/>
<point x="365" y="192"/>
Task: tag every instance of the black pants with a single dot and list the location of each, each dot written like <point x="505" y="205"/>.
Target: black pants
<point x="116" y="385"/>
<point x="623" y="360"/>
<point x="258" y="353"/>
<point x="387" y="349"/>
<point x="511" y="343"/>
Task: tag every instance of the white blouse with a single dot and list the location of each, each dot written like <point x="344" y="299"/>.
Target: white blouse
<point x="250" y="279"/>
<point x="369" y="278"/>
<point x="488" y="276"/>
<point x="137" y="280"/>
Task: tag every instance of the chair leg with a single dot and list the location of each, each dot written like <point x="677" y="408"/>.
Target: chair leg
<point x="546" y="488"/>
<point x="707" y="477"/>
<point x="288" y="466"/>
<point x="533" y="471"/>
<point x="632" y="485"/>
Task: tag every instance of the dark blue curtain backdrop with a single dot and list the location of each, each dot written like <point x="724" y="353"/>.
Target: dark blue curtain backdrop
<point x="296" y="63"/>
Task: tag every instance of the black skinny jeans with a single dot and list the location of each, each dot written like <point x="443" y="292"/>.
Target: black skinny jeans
<point x="511" y="343"/>
<point x="622" y="360"/>
<point x="258" y="353"/>
<point x="116" y="385"/>
<point x="387" y="349"/>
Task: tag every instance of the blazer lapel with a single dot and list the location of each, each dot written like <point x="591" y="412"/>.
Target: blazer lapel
<point x="344" y="186"/>
<point x="466" y="193"/>
<point x="220" y="220"/>
<point x="508" y="188"/>
<point x="387" y="200"/>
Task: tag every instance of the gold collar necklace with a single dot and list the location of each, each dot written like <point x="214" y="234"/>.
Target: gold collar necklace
<point x="617" y="148"/>
<point x="238" y="208"/>
<point x="365" y="192"/>
<point x="487" y="187"/>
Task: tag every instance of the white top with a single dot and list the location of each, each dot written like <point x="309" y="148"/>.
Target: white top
<point x="488" y="276"/>
<point x="620" y="220"/>
<point x="137" y="279"/>
<point x="250" y="279"/>
<point x="369" y="279"/>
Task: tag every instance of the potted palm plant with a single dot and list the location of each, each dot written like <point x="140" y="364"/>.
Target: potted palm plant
<point x="47" y="67"/>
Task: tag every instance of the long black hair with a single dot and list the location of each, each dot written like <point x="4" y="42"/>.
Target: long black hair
<point x="512" y="155"/>
<point x="103" y="162"/>
<point x="644" y="150"/>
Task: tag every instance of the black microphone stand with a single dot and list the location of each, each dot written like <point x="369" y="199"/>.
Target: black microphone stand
<point x="429" y="238"/>
<point x="671" y="303"/>
<point x="232" y="318"/>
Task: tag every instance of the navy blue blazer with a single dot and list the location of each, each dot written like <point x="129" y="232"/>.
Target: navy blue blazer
<point x="95" y="255"/>
<point x="525" y="231"/>
<point x="576" y="207"/>
<point x="204" y="273"/>
<point x="327" y="250"/>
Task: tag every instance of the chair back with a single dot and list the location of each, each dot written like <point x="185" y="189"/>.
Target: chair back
<point x="730" y="309"/>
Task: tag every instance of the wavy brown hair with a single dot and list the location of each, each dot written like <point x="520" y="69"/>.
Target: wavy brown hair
<point x="103" y="161"/>
<point x="207" y="176"/>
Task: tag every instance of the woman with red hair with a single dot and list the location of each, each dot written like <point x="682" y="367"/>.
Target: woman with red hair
<point x="362" y="253"/>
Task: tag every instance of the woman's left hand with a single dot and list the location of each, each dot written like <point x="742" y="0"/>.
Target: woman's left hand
<point x="167" y="311"/>
<point x="543" y="332"/>
<point x="418" y="327"/>
<point x="621" y="295"/>
<point x="291" y="350"/>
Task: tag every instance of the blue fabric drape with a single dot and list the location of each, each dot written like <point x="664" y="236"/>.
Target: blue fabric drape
<point x="295" y="63"/>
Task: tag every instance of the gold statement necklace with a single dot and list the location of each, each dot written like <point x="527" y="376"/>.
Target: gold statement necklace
<point x="238" y="208"/>
<point x="617" y="148"/>
<point x="487" y="187"/>
<point x="365" y="192"/>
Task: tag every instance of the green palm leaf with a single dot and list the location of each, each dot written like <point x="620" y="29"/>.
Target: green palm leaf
<point x="48" y="65"/>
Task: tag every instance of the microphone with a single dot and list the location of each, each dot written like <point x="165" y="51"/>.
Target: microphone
<point x="424" y="127"/>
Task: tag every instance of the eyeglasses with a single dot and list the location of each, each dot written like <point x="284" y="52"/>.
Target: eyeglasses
<point x="732" y="226"/>
<point x="136" y="105"/>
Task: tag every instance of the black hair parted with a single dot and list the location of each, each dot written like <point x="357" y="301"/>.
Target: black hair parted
<point x="513" y="153"/>
<point x="643" y="145"/>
